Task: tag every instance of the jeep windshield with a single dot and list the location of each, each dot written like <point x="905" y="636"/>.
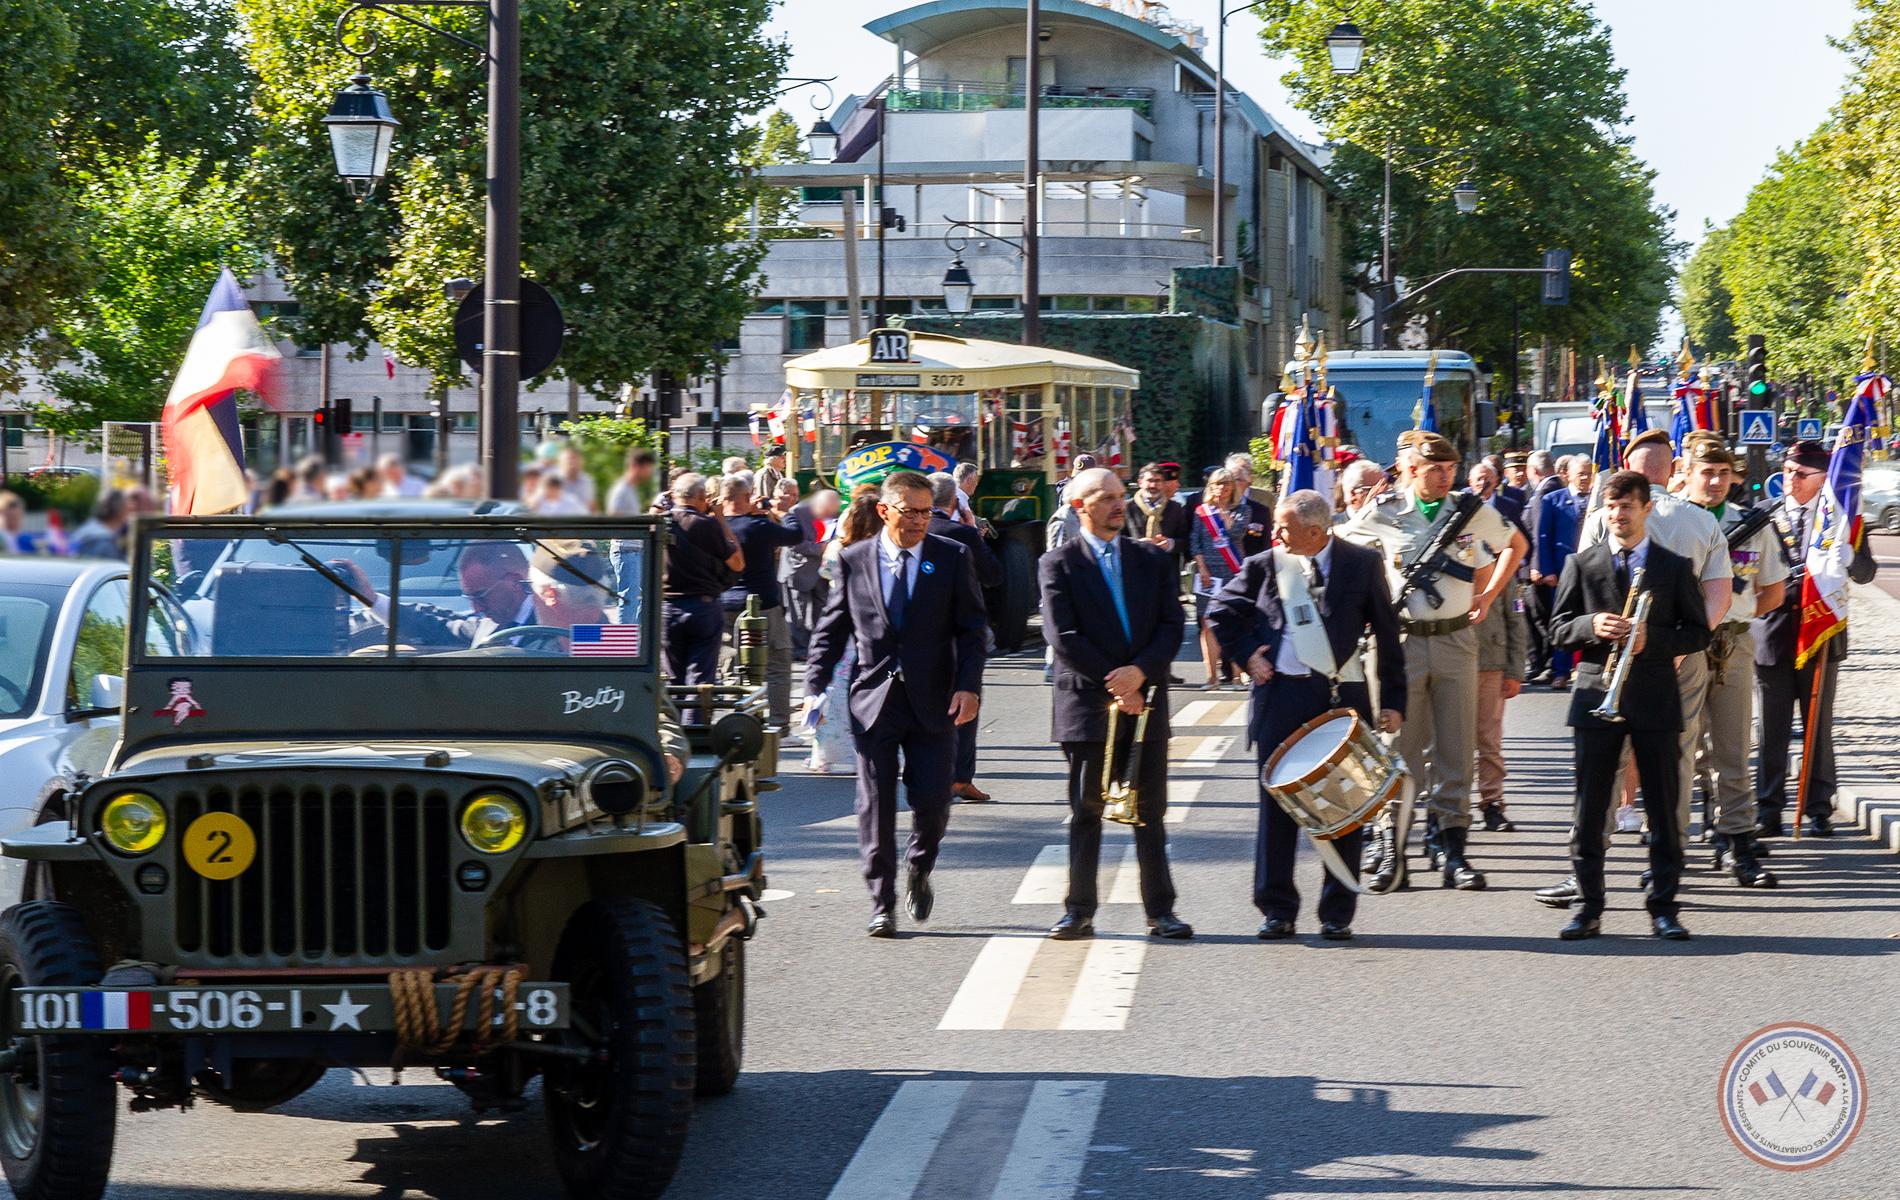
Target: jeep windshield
<point x="315" y="590"/>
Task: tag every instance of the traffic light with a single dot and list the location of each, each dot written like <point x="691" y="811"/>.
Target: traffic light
<point x="340" y="416"/>
<point x="1556" y="277"/>
<point x="1757" y="383"/>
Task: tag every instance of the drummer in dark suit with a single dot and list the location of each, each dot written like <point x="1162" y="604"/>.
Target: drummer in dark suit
<point x="1587" y="617"/>
<point x="1111" y="614"/>
<point x="1294" y="615"/>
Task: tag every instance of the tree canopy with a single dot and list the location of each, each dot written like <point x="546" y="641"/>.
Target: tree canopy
<point x="633" y="127"/>
<point x="1704" y="298"/>
<point x="1522" y="97"/>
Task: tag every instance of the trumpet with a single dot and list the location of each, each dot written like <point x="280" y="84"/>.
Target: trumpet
<point x="1636" y="611"/>
<point x="1121" y="798"/>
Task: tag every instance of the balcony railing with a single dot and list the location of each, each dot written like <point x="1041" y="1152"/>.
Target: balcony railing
<point x="956" y="95"/>
<point x="817" y="226"/>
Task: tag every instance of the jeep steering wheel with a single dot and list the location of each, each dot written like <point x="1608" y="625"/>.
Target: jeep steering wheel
<point x="545" y="633"/>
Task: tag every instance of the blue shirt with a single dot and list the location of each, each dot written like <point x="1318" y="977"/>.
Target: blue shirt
<point x="1115" y="584"/>
<point x="760" y="538"/>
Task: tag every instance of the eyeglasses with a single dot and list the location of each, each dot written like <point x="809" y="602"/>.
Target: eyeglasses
<point x="908" y="514"/>
<point x="1798" y="473"/>
<point x="481" y="597"/>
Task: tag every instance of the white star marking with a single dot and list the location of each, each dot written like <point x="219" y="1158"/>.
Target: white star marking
<point x="343" y="1014"/>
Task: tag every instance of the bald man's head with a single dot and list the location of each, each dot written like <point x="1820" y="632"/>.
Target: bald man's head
<point x="1653" y="462"/>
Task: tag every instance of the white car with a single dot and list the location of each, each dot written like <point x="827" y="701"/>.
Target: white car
<point x="62" y="655"/>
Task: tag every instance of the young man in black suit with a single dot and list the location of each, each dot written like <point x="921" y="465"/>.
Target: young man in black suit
<point x="1586" y="617"/>
<point x="910" y="603"/>
<point x="1111" y="614"/>
<point x="1294" y="615"/>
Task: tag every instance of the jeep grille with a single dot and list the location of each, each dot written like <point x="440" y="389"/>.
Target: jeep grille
<point x="343" y="874"/>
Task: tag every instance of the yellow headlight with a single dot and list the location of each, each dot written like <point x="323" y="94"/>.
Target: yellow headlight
<point x="494" y="823"/>
<point x="133" y="823"/>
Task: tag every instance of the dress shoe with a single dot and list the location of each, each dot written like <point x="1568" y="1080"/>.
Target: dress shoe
<point x="1559" y="895"/>
<point x="1495" y="821"/>
<point x="1645" y="879"/>
<point x="1770" y="826"/>
<point x="1820" y="825"/>
<point x="1073" y="927"/>
<point x="1581" y="926"/>
<point x="1335" y="931"/>
<point x="883" y="925"/>
<point x="1176" y="681"/>
<point x="1275" y="928"/>
<point x="1669" y="929"/>
<point x="918" y="894"/>
<point x="969" y="793"/>
<point x="1459" y="873"/>
<point x="1167" y="925"/>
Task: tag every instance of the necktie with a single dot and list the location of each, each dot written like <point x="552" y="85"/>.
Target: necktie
<point x="900" y="591"/>
<point x="1623" y="572"/>
<point x="1316" y="583"/>
<point x="1111" y="574"/>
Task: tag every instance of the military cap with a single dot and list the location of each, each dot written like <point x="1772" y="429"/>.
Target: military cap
<point x="1517" y="458"/>
<point x="570" y="562"/>
<point x="1809" y="454"/>
<point x="1649" y="437"/>
<point x="1433" y="447"/>
<point x="1708" y="450"/>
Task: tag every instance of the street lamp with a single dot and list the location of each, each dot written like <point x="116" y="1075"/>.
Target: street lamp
<point x="1346" y="46"/>
<point x="361" y="129"/>
<point x="822" y="140"/>
<point x="958" y="288"/>
<point x="1465" y="196"/>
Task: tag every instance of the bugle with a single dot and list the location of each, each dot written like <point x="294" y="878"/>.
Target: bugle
<point x="1635" y="611"/>
<point x="1121" y="797"/>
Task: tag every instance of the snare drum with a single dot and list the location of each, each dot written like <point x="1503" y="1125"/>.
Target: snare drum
<point x="1334" y="774"/>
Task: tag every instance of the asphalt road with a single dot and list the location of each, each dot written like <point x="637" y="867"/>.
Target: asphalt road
<point x="1455" y="1048"/>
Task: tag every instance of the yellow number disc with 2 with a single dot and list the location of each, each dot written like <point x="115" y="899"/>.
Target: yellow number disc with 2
<point x="220" y="846"/>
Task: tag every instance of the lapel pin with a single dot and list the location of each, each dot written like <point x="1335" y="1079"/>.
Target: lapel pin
<point x="928" y="568"/>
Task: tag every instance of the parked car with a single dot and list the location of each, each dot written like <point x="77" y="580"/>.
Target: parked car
<point x="62" y="651"/>
<point x="1880" y="496"/>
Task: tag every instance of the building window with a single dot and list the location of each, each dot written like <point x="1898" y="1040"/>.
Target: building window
<point x="805" y="326"/>
<point x="1139" y="304"/>
<point x="996" y="303"/>
<point x="284" y="319"/>
<point x="1072" y="303"/>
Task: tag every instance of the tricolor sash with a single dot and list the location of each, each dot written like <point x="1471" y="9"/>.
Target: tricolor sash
<point x="1218" y="531"/>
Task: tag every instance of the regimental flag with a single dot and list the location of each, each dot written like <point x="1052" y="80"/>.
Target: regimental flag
<point x="115" y="1010"/>
<point x="1683" y="419"/>
<point x="1836" y="529"/>
<point x="203" y="449"/>
<point x="1425" y="412"/>
<point x="603" y="641"/>
<point x="1302" y="450"/>
<point x="1637" y="421"/>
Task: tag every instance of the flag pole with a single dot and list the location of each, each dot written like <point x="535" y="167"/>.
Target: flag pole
<point x="1807" y="740"/>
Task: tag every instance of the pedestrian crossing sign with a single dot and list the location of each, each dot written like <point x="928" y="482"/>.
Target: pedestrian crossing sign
<point x="1758" y="427"/>
<point x="1809" y="429"/>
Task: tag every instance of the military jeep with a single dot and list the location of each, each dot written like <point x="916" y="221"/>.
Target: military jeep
<point x="402" y="793"/>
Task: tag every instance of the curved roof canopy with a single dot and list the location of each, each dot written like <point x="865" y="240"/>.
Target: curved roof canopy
<point x="941" y="363"/>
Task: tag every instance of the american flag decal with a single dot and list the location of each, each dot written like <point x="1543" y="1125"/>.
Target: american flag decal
<point x="604" y="641"/>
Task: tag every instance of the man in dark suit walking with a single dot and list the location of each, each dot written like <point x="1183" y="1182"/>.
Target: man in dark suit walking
<point x="1559" y="526"/>
<point x="910" y="603"/>
<point x="1112" y="616"/>
<point x="989" y="573"/>
<point x="800" y="569"/>
<point x="1294" y="615"/>
<point x="1587" y="618"/>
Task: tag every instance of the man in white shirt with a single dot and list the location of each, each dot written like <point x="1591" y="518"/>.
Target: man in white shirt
<point x="397" y="481"/>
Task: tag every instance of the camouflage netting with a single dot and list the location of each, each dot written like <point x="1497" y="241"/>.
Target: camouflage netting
<point x="1192" y="407"/>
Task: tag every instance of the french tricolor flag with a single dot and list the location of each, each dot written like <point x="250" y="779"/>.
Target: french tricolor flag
<point x="204" y="452"/>
<point x="115" y="1010"/>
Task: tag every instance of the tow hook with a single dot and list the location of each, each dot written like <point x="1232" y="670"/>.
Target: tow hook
<point x="753" y="915"/>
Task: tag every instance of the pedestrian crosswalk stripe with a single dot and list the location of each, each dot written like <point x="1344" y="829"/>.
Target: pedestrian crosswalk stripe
<point x="384" y="1077"/>
<point x="893" y="1157"/>
<point x="984" y="999"/>
<point x="1181" y="798"/>
<point x="1196" y="749"/>
<point x="1052" y="1143"/>
<point x="1211" y="713"/>
<point x="1025" y="981"/>
<point x="1048" y="878"/>
<point x="925" y="1142"/>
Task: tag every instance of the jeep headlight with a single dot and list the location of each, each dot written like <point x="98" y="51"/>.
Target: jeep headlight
<point x="494" y="823"/>
<point x="133" y="823"/>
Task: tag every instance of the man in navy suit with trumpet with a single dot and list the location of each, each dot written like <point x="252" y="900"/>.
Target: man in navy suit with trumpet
<point x="1295" y="615"/>
<point x="910" y="602"/>
<point x="1111" y="613"/>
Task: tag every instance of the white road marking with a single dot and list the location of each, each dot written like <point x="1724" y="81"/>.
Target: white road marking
<point x="1214" y="713"/>
<point x="983" y="1001"/>
<point x="1126" y="887"/>
<point x="384" y="1077"/>
<point x="1181" y="798"/>
<point x="1052" y="1143"/>
<point x="1106" y="989"/>
<point x="1202" y="750"/>
<point x="1194" y="713"/>
<point x="894" y="1155"/>
<point x="1048" y="879"/>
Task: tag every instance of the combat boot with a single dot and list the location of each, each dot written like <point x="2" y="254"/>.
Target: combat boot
<point x="1388" y="869"/>
<point x="1459" y="873"/>
<point x="1747" y="868"/>
<point x="1434" y="842"/>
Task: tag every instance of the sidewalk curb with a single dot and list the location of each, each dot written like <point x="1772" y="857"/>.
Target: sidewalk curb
<point x="1880" y="818"/>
